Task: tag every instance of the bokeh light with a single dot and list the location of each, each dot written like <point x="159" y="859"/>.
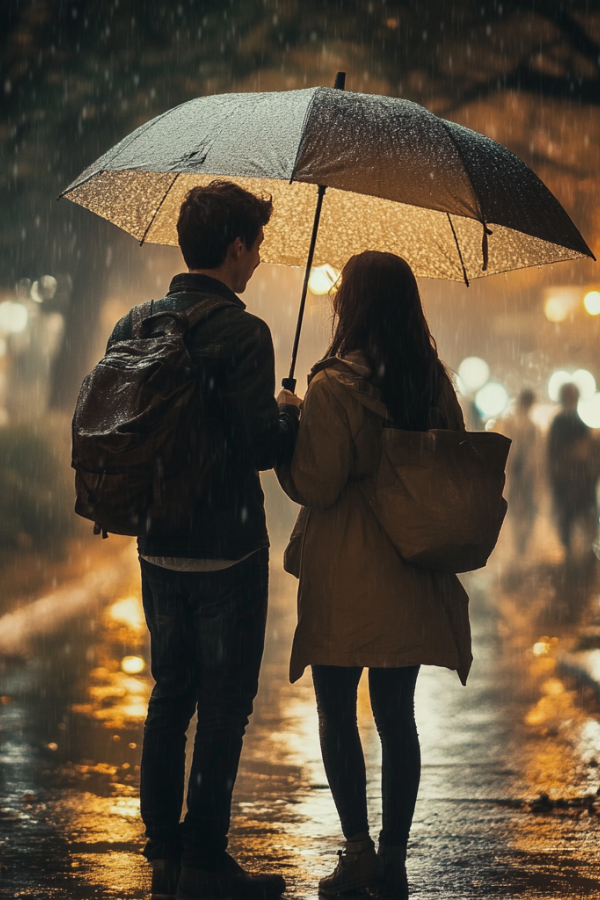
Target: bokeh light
<point x="491" y="400"/>
<point x="584" y="380"/>
<point x="589" y="410"/>
<point x="473" y="372"/>
<point x="133" y="664"/>
<point x="460" y="385"/>
<point x="129" y="612"/>
<point x="557" y="379"/>
<point x="586" y="383"/>
<point x="556" y="310"/>
<point x="44" y="289"/>
<point x="560" y="301"/>
<point x="13" y="317"/>
<point x="591" y="302"/>
<point x="322" y="279"/>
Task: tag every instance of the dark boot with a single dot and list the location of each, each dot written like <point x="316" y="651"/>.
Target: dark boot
<point x="395" y="882"/>
<point x="226" y="880"/>
<point x="165" y="875"/>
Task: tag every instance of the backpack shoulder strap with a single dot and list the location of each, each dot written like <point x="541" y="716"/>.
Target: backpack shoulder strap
<point x="138" y="314"/>
<point x="200" y="310"/>
<point x="204" y="307"/>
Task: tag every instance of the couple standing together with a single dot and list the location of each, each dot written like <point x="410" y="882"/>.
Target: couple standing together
<point x="360" y="605"/>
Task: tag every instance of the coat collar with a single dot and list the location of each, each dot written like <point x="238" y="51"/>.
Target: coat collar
<point x="190" y="282"/>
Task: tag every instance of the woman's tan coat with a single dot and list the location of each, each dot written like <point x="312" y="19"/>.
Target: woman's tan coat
<point x="359" y="603"/>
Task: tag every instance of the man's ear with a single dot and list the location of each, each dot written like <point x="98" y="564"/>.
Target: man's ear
<point x="237" y="246"/>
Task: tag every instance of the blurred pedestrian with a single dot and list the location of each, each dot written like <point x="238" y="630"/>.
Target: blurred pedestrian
<point x="360" y="605"/>
<point x="204" y="585"/>
<point x="572" y="470"/>
<point x="523" y="469"/>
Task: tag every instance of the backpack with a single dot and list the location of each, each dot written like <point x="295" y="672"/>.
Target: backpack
<point x="142" y="425"/>
<point x="438" y="495"/>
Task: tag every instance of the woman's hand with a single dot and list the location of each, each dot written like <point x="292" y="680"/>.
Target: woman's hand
<point x="288" y="399"/>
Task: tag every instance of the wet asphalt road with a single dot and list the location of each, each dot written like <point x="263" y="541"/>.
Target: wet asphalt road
<point x="71" y="718"/>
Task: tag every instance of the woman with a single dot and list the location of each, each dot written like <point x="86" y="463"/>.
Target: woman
<point x="359" y="603"/>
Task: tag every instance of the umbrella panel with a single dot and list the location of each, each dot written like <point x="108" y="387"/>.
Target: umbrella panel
<point x="147" y="204"/>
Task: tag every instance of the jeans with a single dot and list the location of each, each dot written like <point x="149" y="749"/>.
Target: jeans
<point x="392" y="701"/>
<point x="207" y="635"/>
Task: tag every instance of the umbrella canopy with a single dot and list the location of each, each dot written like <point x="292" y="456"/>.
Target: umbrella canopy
<point x="452" y="202"/>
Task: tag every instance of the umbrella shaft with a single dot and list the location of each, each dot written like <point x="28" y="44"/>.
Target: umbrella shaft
<point x="311" y="253"/>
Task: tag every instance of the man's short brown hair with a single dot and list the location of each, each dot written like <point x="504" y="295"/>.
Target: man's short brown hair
<point x="212" y="217"/>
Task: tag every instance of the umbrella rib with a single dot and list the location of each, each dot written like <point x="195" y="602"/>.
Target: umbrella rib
<point x="158" y="209"/>
<point x="458" y="248"/>
<point x="303" y="133"/>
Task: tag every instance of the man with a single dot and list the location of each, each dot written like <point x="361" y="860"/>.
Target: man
<point x="572" y="469"/>
<point x="205" y="589"/>
<point x="522" y="471"/>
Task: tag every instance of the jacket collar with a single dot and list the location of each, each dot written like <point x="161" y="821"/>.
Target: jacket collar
<point x="189" y="282"/>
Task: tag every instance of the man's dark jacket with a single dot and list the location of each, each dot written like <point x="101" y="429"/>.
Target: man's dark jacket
<point x="571" y="460"/>
<point x="229" y="522"/>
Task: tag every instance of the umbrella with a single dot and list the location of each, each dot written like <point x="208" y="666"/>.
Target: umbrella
<point x="452" y="202"/>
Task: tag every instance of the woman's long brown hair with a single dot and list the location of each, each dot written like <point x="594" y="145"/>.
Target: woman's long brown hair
<point x="378" y="310"/>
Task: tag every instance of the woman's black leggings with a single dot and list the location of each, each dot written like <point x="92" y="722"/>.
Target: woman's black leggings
<point x="392" y="700"/>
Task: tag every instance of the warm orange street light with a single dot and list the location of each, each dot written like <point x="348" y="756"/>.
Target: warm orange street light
<point x="591" y="302"/>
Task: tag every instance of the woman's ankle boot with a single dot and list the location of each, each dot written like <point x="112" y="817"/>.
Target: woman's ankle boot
<point x="358" y="868"/>
<point x="395" y="882"/>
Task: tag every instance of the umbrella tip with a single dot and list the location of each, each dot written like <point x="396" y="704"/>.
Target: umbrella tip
<point x="340" y="81"/>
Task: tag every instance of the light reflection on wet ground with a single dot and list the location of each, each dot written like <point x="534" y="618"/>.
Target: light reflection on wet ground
<point x="71" y="723"/>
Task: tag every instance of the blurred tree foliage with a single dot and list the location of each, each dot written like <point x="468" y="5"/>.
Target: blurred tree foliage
<point x="77" y="76"/>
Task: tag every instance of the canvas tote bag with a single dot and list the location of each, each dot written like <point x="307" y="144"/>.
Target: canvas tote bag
<point x="438" y="495"/>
